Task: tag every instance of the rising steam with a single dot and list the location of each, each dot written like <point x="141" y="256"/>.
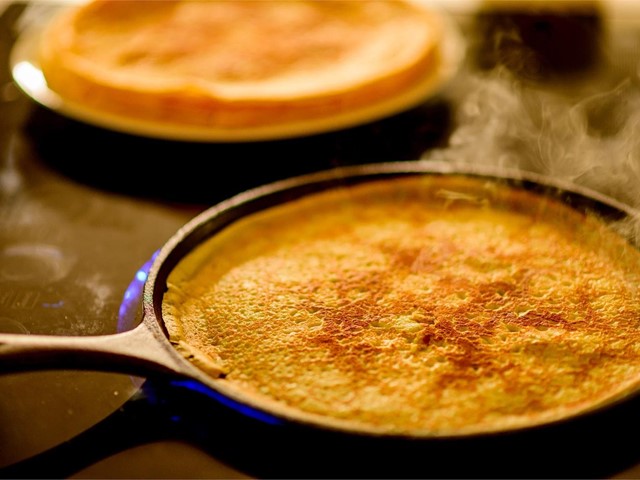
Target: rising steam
<point x="593" y="141"/>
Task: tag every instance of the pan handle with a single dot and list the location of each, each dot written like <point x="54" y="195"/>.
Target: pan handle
<point x="142" y="351"/>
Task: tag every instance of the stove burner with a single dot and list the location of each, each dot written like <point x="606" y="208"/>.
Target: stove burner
<point x="130" y="312"/>
<point x="34" y="263"/>
<point x="8" y="325"/>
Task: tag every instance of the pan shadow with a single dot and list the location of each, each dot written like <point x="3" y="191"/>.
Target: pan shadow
<point x="591" y="446"/>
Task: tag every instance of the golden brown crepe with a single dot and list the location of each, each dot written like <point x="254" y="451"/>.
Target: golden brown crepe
<point x="436" y="305"/>
<point x="237" y="63"/>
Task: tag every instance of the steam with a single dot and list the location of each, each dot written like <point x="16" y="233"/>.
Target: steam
<point x="593" y="141"/>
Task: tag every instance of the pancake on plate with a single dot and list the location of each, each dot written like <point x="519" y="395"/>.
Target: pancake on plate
<point x="238" y="64"/>
<point x="435" y="305"/>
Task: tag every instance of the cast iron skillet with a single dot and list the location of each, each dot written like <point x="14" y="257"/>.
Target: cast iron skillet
<point x="583" y="445"/>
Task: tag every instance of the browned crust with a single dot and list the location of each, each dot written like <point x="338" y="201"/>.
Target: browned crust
<point x="438" y="306"/>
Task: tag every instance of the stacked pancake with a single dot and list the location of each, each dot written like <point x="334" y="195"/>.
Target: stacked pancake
<point x="436" y="305"/>
<point x="238" y="64"/>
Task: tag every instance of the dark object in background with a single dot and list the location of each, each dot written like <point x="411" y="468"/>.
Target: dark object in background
<point x="539" y="39"/>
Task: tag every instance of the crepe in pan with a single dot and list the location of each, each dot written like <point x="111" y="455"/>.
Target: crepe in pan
<point x="436" y="305"/>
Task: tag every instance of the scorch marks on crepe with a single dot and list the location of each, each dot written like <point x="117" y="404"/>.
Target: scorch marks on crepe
<point x="433" y="305"/>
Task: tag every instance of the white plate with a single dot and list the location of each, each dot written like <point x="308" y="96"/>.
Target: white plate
<point x="29" y="77"/>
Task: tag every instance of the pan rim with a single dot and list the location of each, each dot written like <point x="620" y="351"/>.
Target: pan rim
<point x="216" y="217"/>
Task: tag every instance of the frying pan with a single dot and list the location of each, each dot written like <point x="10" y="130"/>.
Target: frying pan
<point x="146" y="351"/>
